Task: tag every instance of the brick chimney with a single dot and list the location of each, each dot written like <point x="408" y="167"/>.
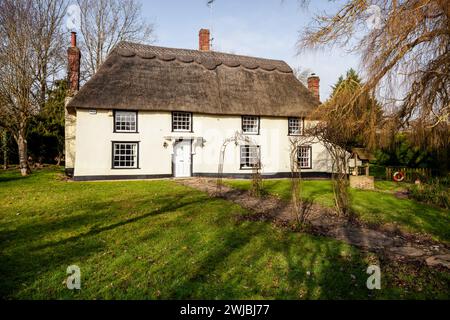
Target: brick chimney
<point x="204" y="40"/>
<point x="73" y="70"/>
<point x="313" y="85"/>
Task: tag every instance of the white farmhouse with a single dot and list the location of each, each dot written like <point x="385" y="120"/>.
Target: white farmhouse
<point x="153" y="112"/>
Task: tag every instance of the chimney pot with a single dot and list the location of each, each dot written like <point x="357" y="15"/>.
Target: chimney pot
<point x="204" y="40"/>
<point x="314" y="85"/>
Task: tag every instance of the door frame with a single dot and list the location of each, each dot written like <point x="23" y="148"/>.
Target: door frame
<point x="191" y="167"/>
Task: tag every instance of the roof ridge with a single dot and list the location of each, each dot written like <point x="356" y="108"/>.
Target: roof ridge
<point x="123" y="44"/>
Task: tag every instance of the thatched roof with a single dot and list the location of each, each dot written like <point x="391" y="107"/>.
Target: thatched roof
<point x="143" y="77"/>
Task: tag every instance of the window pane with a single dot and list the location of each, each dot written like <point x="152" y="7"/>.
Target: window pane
<point x="250" y="124"/>
<point x="250" y="156"/>
<point x="295" y="126"/>
<point x="181" y="121"/>
<point x="125" y="121"/>
<point x="304" y="157"/>
<point x="125" y="155"/>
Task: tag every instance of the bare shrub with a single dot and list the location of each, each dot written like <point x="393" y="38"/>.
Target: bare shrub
<point x="301" y="206"/>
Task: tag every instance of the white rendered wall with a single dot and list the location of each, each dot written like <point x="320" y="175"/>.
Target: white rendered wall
<point x="70" y="120"/>
<point x="94" y="136"/>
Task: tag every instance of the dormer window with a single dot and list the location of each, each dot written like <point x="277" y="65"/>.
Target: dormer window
<point x="250" y="124"/>
<point x="125" y="121"/>
<point x="181" y="121"/>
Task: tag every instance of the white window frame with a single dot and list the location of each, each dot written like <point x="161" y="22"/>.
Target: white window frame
<point x="304" y="157"/>
<point x="120" y="156"/>
<point x="181" y="119"/>
<point x="124" y="119"/>
<point x="295" y="126"/>
<point x="250" y="124"/>
<point x="247" y="153"/>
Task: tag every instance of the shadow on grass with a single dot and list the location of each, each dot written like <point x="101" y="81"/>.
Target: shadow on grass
<point x="26" y="260"/>
<point x="96" y="230"/>
<point x="247" y="262"/>
<point x="235" y="262"/>
<point x="8" y="177"/>
<point x="175" y="245"/>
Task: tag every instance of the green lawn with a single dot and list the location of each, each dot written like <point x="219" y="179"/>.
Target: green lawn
<point x="375" y="207"/>
<point x="157" y="239"/>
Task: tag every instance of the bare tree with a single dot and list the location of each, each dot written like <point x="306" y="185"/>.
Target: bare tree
<point x="342" y="123"/>
<point x="104" y="23"/>
<point x="26" y="51"/>
<point x="333" y="138"/>
<point x="4" y="147"/>
<point x="302" y="74"/>
<point x="49" y="42"/>
<point x="405" y="50"/>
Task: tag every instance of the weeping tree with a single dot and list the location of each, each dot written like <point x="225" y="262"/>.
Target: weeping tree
<point x="405" y="53"/>
<point x="342" y="123"/>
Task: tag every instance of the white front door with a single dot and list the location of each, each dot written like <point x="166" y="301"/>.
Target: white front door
<point x="182" y="158"/>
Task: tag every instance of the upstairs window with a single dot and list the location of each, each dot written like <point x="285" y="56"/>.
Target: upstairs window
<point x="125" y="121"/>
<point x="182" y="121"/>
<point x="250" y="124"/>
<point x="250" y="157"/>
<point x="304" y="157"/>
<point x="125" y="155"/>
<point x="295" y="126"/>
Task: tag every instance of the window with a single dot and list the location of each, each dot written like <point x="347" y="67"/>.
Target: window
<point x="125" y="155"/>
<point x="250" y="124"/>
<point x="182" y="121"/>
<point x="295" y="126"/>
<point x="125" y="121"/>
<point x="304" y="157"/>
<point x="250" y="157"/>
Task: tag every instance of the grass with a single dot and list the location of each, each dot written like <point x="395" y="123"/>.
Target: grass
<point x="160" y="240"/>
<point x="374" y="207"/>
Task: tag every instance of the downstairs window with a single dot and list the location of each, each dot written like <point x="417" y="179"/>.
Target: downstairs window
<point x="125" y="155"/>
<point x="250" y="157"/>
<point x="304" y="155"/>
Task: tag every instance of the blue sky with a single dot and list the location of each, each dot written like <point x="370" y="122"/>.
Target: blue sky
<point x="265" y="28"/>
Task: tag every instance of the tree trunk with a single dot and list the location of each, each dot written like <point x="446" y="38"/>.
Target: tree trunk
<point x="43" y="92"/>
<point x="58" y="159"/>
<point x="5" y="149"/>
<point x="23" y="152"/>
